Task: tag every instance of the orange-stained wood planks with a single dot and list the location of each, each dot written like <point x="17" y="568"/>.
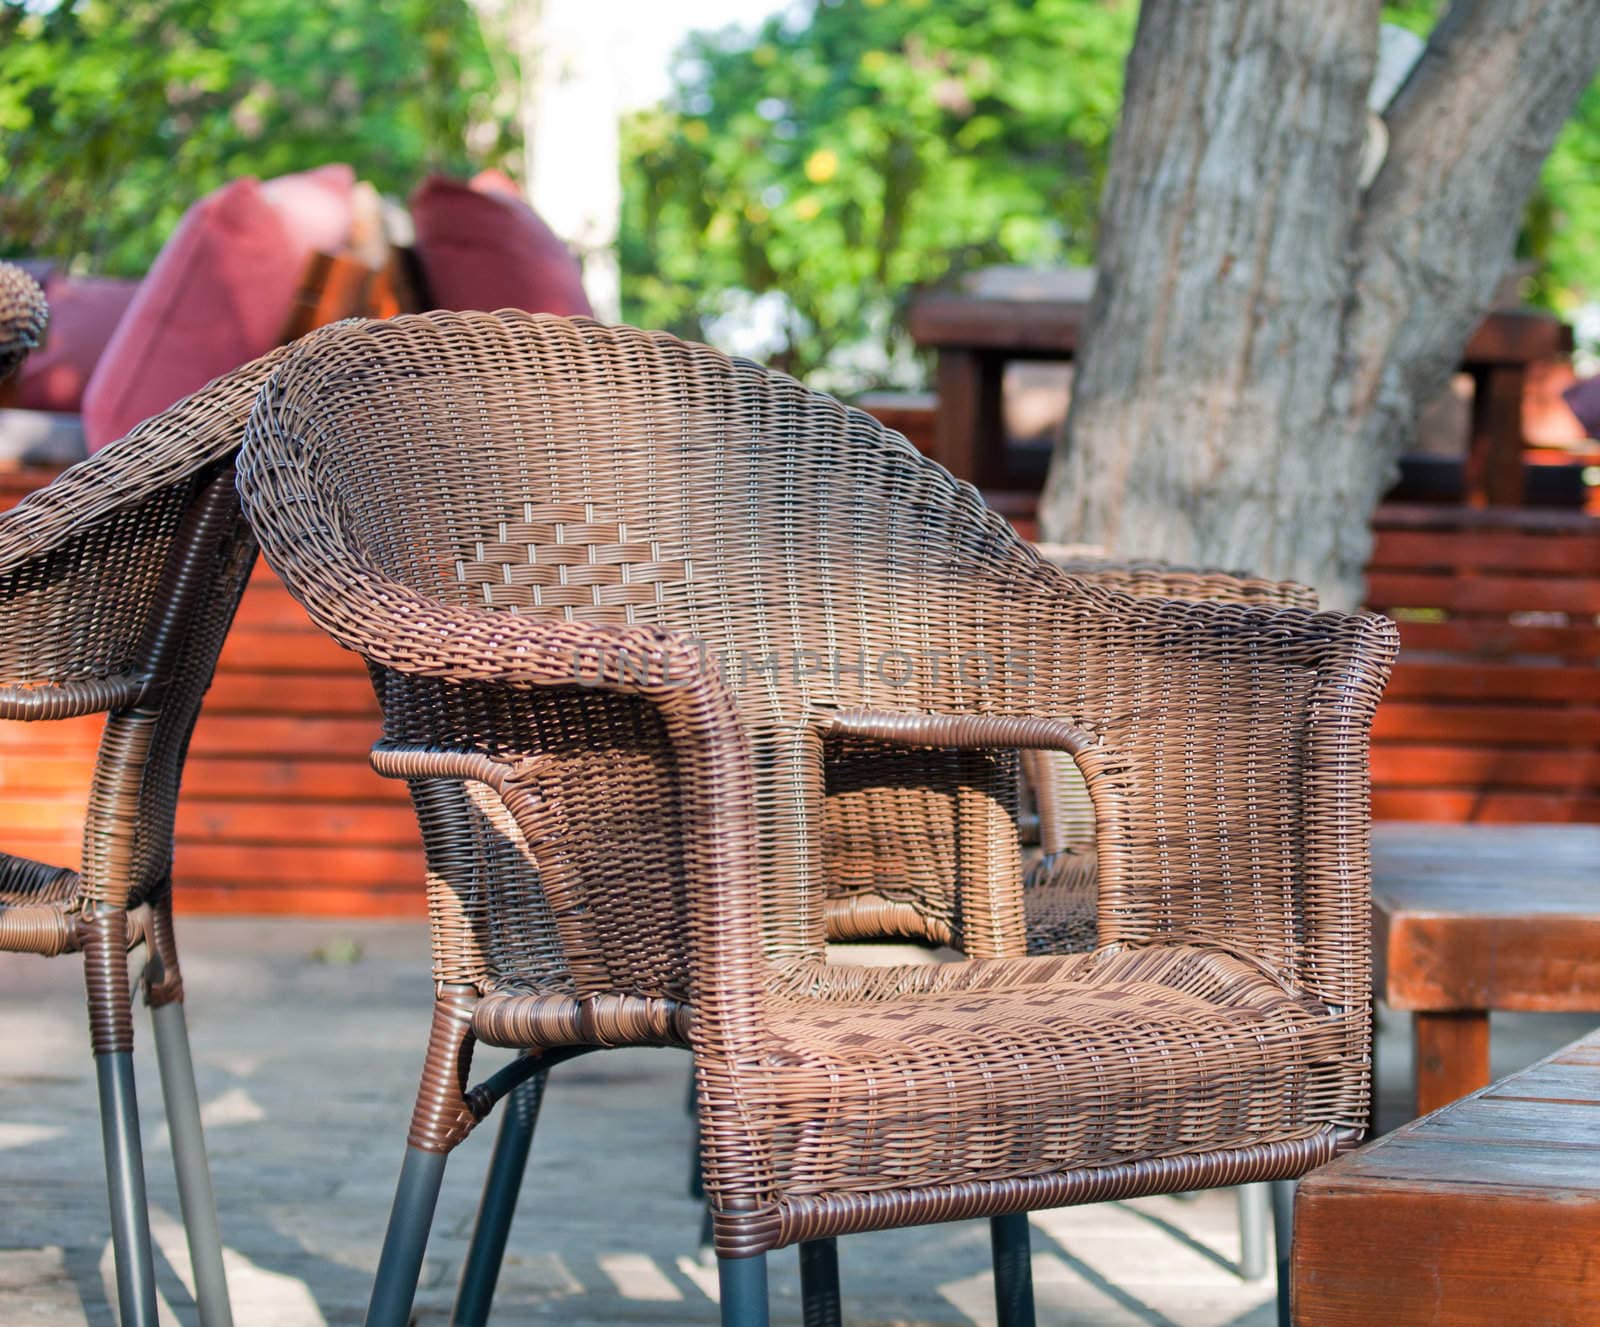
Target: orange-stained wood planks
<point x="1485" y="1213"/>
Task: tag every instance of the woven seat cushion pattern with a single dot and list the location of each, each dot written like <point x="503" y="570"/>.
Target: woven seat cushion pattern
<point x="1035" y="1066"/>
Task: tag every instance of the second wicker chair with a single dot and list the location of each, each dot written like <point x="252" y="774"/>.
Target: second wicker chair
<point x="619" y="594"/>
<point x="118" y="582"/>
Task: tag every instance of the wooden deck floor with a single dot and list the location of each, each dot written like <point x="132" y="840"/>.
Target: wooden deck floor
<point x="307" y="1064"/>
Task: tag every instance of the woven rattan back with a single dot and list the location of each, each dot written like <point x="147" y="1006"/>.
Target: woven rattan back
<point x="23" y="316"/>
<point x="562" y="469"/>
<point x="117" y="585"/>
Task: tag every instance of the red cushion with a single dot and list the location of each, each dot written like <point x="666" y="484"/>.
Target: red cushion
<point x="482" y="247"/>
<point x="84" y="312"/>
<point x="218" y="295"/>
<point x="314" y="206"/>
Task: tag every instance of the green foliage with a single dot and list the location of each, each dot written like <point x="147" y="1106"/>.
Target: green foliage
<point x="887" y="143"/>
<point x="117" y="114"/>
<point x="882" y="145"/>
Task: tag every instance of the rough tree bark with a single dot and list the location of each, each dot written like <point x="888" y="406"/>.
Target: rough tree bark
<point x="1264" y="332"/>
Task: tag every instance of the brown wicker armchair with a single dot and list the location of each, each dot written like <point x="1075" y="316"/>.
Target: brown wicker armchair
<point x="118" y="582"/>
<point x="619" y="593"/>
<point x="23" y="316"/>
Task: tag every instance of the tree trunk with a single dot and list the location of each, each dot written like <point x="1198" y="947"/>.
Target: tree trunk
<point x="1264" y="331"/>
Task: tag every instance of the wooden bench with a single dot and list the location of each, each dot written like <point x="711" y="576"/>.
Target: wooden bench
<point x="1493" y="712"/>
<point x="1487" y="1212"/>
<point x="1469" y="918"/>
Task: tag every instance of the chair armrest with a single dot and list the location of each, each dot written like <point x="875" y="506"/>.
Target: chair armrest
<point x="1225" y="747"/>
<point x="1061" y="799"/>
<point x="394" y="628"/>
<point x="991" y="907"/>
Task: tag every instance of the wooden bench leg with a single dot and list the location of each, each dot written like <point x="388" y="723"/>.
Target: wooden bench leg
<point x="1452" y="1056"/>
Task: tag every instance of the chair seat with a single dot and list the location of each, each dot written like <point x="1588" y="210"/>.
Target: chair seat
<point x="1021" y="1068"/>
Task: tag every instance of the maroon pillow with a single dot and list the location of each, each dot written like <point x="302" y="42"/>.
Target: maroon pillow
<point x="218" y="295"/>
<point x="482" y="247"/>
<point x="84" y="312"/>
<point x="315" y="206"/>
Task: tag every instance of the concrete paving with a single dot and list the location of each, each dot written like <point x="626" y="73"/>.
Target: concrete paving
<point x="308" y="1038"/>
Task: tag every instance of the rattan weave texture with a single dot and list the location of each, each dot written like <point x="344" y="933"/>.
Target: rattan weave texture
<point x="621" y="597"/>
<point x="23" y="317"/>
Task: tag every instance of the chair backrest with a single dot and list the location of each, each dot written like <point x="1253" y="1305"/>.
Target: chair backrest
<point x="540" y="466"/>
<point x="535" y="465"/>
<point x="117" y="585"/>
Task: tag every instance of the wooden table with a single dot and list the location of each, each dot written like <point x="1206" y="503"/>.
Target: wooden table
<point x="1000" y="314"/>
<point x="978" y="327"/>
<point x="1486" y="1213"/>
<point x="1469" y="918"/>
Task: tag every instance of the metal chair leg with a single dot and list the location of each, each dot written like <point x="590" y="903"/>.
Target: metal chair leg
<point x="1283" y="1235"/>
<point x="130" y="1218"/>
<point x="744" y="1291"/>
<point x="1255" y="1205"/>
<point x="163" y="992"/>
<point x="819" y="1283"/>
<point x="1013" y="1270"/>
<point x="481" y="1272"/>
<point x="196" y="1198"/>
<point x="400" y="1264"/>
<point x="105" y="976"/>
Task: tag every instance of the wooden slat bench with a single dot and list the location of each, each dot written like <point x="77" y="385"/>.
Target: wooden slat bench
<point x="1486" y="1212"/>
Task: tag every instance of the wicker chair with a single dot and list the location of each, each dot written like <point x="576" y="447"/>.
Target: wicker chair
<point x="23" y="316"/>
<point x="552" y="541"/>
<point x="118" y="582"/>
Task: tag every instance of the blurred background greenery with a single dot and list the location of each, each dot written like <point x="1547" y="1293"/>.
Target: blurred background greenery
<point x="799" y="179"/>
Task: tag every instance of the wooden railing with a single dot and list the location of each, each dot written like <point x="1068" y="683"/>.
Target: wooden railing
<point x="1494" y="709"/>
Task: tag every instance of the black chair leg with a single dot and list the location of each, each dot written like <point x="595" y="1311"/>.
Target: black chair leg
<point x="819" y="1283"/>
<point x="1013" y="1270"/>
<point x="130" y="1218"/>
<point x="1283" y="1235"/>
<point x="400" y="1264"/>
<point x="499" y="1203"/>
<point x="744" y="1291"/>
<point x="105" y="973"/>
